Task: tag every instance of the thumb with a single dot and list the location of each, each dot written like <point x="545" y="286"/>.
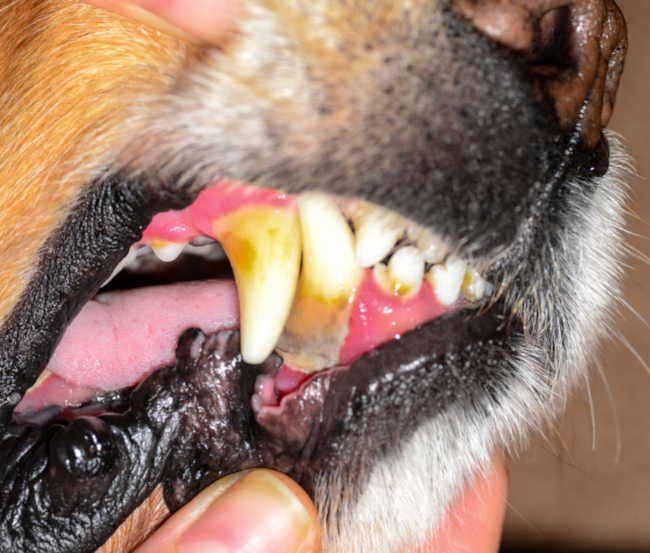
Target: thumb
<point x="258" y="511"/>
<point x="204" y="21"/>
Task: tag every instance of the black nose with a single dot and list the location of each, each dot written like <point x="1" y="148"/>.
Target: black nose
<point x="577" y="47"/>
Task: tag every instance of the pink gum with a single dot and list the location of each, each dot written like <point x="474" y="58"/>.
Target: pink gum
<point x="214" y="202"/>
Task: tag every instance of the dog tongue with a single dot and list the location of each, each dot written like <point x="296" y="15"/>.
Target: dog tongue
<point x="120" y="337"/>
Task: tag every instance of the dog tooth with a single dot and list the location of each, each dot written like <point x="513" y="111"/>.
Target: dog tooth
<point x="377" y="231"/>
<point x="199" y="241"/>
<point x="432" y="247"/>
<point x="329" y="268"/>
<point x="211" y="251"/>
<point x="127" y="260"/>
<point x="406" y="270"/>
<point x="263" y="245"/>
<point x="165" y="250"/>
<point x="447" y="279"/>
<point x="318" y="322"/>
<point x="474" y="285"/>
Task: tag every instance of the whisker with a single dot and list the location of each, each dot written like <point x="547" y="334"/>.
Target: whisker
<point x="592" y="412"/>
<point x="633" y="351"/>
<point x="612" y="405"/>
<point x="638" y="315"/>
<point x="636" y="253"/>
<point x="635" y="234"/>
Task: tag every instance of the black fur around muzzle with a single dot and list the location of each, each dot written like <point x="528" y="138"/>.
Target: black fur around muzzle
<point x="465" y="139"/>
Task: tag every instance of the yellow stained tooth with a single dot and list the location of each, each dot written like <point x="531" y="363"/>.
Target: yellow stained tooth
<point x="263" y="245"/>
<point x="329" y="269"/>
<point x="317" y="324"/>
<point x="474" y="285"/>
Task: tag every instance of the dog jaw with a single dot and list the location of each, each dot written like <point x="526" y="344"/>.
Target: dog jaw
<point x="327" y="115"/>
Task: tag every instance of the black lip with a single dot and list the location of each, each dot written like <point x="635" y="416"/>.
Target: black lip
<point x="72" y="484"/>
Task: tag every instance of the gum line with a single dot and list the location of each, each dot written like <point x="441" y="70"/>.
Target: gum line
<point x="376" y="316"/>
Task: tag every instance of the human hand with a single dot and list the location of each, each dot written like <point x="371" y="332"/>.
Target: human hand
<point x="262" y="511"/>
<point x="201" y="21"/>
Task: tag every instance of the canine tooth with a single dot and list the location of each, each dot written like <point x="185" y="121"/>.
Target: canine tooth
<point x="377" y="231"/>
<point x="318" y="322"/>
<point x="329" y="269"/>
<point x="474" y="285"/>
<point x="263" y="246"/>
<point x="406" y="269"/>
<point x="447" y="280"/>
<point x="167" y="251"/>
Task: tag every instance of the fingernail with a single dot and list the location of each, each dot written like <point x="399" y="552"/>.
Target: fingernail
<point x="204" y="21"/>
<point x="198" y="21"/>
<point x="137" y="12"/>
<point x="262" y="512"/>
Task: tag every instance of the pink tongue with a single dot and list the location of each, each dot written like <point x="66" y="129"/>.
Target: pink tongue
<point x="120" y="337"/>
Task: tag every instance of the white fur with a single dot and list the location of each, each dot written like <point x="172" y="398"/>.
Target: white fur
<point x="407" y="495"/>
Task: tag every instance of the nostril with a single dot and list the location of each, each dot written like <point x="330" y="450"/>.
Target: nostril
<point x="552" y="41"/>
<point x="576" y="48"/>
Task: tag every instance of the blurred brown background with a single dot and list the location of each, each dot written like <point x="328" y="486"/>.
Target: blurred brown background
<point x="587" y="487"/>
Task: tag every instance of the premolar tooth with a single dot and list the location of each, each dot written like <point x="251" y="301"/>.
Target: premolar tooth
<point x="447" y="280"/>
<point x="318" y="323"/>
<point x="377" y="231"/>
<point x="263" y="246"/>
<point x="406" y="270"/>
<point x="329" y="269"/>
<point x="432" y="247"/>
<point x="165" y="250"/>
<point x="474" y="285"/>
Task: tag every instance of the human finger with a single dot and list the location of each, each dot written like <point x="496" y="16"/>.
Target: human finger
<point x="258" y="511"/>
<point x="202" y="21"/>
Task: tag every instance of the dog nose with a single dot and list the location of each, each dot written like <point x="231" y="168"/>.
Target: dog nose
<point x="575" y="47"/>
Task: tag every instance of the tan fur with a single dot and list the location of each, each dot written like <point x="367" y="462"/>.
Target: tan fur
<point x="67" y="72"/>
<point x="142" y="522"/>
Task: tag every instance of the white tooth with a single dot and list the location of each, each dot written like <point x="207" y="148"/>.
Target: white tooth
<point x="128" y="259"/>
<point x="377" y="231"/>
<point x="406" y="268"/>
<point x="447" y="280"/>
<point x="167" y="251"/>
<point x="433" y="249"/>
<point x="263" y="246"/>
<point x="474" y="285"/>
<point x="329" y="268"/>
<point x="209" y="251"/>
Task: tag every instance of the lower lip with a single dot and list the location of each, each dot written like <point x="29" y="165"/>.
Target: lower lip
<point x="120" y="337"/>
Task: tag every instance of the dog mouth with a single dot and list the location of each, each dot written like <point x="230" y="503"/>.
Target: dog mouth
<point x="314" y="280"/>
